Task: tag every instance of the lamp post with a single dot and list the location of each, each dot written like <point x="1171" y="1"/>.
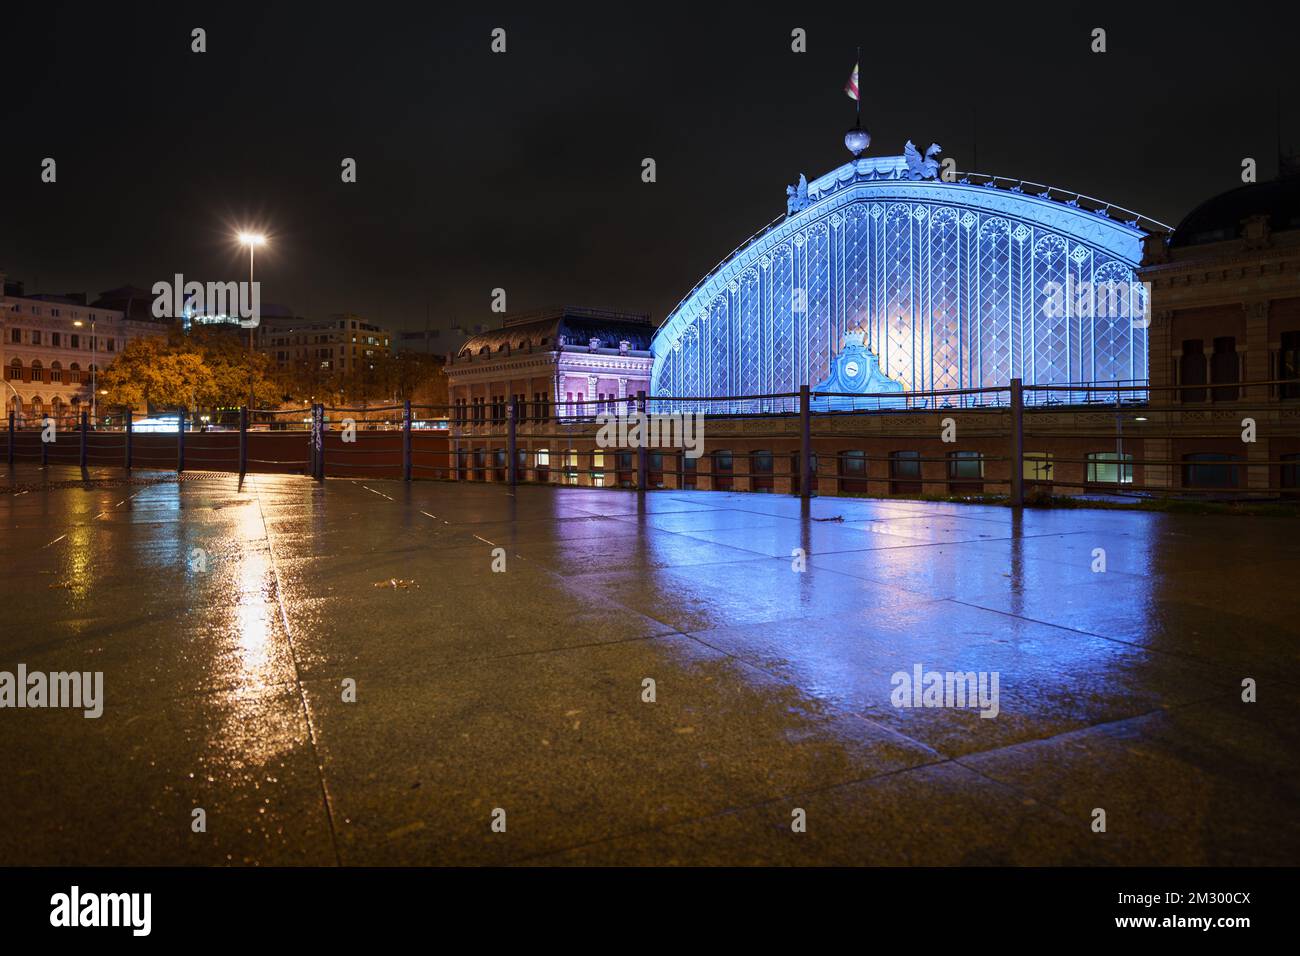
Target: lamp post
<point x="252" y="240"/>
<point x="93" y="363"/>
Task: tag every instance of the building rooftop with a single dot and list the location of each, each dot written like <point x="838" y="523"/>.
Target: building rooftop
<point x="1219" y="218"/>
<point x="565" y="325"/>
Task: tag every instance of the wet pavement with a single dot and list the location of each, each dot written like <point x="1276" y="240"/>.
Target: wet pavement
<point x="229" y="624"/>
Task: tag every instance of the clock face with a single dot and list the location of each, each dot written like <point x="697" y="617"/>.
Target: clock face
<point x="851" y="369"/>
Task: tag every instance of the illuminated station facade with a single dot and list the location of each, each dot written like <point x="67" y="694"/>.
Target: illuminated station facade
<point x="899" y="285"/>
<point x="948" y="280"/>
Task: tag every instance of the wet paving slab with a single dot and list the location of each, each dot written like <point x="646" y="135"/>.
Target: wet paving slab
<point x="371" y="672"/>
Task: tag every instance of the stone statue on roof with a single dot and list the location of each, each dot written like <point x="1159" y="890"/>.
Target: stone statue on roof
<point x="922" y="168"/>
<point x="797" y="196"/>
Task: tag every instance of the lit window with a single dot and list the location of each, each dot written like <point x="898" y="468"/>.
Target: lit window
<point x="1105" y="467"/>
<point x="1037" y="466"/>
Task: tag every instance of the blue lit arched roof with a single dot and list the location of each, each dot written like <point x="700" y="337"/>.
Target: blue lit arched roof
<point x="946" y="278"/>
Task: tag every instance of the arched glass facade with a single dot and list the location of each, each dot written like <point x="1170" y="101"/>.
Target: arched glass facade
<point x="955" y="285"/>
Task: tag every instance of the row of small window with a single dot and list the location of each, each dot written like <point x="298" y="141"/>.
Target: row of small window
<point x="36" y="407"/>
<point x="602" y="466"/>
<point x="1199" y="470"/>
<point x="1102" y="467"/>
<point x="1217" y="470"/>
<point x="478" y="411"/>
<point x="492" y="409"/>
<point x="55" y="312"/>
<point x="15" y="371"/>
<point x="57" y="339"/>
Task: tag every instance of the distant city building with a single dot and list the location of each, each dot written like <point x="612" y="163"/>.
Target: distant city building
<point x="553" y="361"/>
<point x="51" y="344"/>
<point x="191" y="318"/>
<point x="342" y="343"/>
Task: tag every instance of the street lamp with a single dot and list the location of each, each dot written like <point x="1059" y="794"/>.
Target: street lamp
<point x="252" y="240"/>
<point x="93" y="363"/>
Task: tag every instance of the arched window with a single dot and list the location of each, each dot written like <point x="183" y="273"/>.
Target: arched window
<point x="1191" y="370"/>
<point x="1291" y="472"/>
<point x="1107" y="468"/>
<point x="965" y="472"/>
<point x="853" y="464"/>
<point x="853" y="471"/>
<point x="1037" y="466"/>
<point x="722" y="470"/>
<point x="905" y="473"/>
<point x="14" y="371"/>
<point x="1211" y="470"/>
<point x="74" y="374"/>
<point x="56" y="372"/>
<point x="760" y="471"/>
<point x="38" y="371"/>
<point x="38" y="406"/>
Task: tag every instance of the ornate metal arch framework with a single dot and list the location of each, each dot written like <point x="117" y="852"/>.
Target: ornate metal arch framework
<point x="950" y="281"/>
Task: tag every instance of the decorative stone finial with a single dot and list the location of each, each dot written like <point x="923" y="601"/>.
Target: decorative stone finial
<point x="857" y="140"/>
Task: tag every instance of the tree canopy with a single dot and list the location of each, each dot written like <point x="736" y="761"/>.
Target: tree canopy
<point x="207" y="369"/>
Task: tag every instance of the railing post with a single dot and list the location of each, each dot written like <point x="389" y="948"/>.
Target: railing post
<point x="180" y="440"/>
<point x="318" y="439"/>
<point x="406" y="440"/>
<point x="243" y="442"/>
<point x="512" y="419"/>
<point x="805" y="442"/>
<point x="83" y="440"/>
<point x="11" y="437"/>
<point x="1017" y="444"/>
<point x="642" y="453"/>
<point x="45" y="446"/>
<point x="130" y="413"/>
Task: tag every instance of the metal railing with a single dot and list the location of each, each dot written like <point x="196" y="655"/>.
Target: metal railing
<point x="1122" y="439"/>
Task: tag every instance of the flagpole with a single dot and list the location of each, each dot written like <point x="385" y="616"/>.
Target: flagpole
<point x="857" y="100"/>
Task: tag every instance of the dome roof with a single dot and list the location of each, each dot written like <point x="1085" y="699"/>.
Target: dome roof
<point x="1219" y="218"/>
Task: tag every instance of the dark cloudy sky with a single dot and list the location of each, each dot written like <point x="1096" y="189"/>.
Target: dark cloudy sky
<point x="522" y="170"/>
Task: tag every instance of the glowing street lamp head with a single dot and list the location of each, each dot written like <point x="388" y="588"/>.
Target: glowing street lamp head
<point x="252" y="239"/>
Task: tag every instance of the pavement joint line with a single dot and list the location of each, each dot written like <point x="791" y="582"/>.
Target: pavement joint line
<point x="1050" y="807"/>
<point x="452" y="662"/>
<point x="785" y="681"/>
<point x="567" y="578"/>
<point x="1077" y="731"/>
<point x="738" y="808"/>
<point x="1204" y="661"/>
<point x="302" y="693"/>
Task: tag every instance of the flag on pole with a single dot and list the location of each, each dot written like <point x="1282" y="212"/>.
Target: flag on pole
<point x="851" y="87"/>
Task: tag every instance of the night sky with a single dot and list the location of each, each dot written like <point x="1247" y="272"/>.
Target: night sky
<point x="523" y="170"/>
